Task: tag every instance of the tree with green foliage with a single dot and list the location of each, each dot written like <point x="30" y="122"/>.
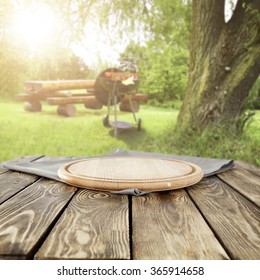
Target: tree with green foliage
<point x="163" y="60"/>
<point x="59" y="64"/>
<point x="163" y="71"/>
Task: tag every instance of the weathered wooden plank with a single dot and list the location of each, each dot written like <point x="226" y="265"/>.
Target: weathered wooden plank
<point x="26" y="217"/>
<point x="94" y="226"/>
<point x="3" y="169"/>
<point x="13" y="182"/>
<point x="245" y="182"/>
<point x="234" y="219"/>
<point x="168" y="226"/>
<point x="249" y="167"/>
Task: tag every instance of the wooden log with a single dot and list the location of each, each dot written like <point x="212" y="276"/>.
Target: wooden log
<point x="47" y="86"/>
<point x="32" y="106"/>
<point x="126" y="106"/>
<point x="91" y="91"/>
<point x="82" y="94"/>
<point x="89" y="101"/>
<point x="68" y="110"/>
<point x="137" y="97"/>
<point x="93" y="104"/>
<point x="28" y="97"/>
<point x="42" y="96"/>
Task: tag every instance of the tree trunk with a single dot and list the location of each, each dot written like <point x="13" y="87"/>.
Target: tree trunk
<point x="224" y="64"/>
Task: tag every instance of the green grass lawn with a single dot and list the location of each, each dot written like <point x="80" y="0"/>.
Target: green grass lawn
<point x="46" y="133"/>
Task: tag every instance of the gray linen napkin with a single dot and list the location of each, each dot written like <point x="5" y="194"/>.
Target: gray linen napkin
<point x="49" y="168"/>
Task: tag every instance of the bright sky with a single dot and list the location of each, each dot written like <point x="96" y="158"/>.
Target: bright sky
<point x="96" y="45"/>
<point x="229" y="7"/>
<point x="34" y="26"/>
<point x="37" y="26"/>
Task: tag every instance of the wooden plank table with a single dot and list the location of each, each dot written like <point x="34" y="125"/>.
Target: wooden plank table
<point x="218" y="218"/>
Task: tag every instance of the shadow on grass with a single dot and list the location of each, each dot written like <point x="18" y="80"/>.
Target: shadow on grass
<point x="141" y="140"/>
<point x="129" y="136"/>
<point x="78" y="114"/>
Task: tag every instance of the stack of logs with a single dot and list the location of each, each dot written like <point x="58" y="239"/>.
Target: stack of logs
<point x="57" y="93"/>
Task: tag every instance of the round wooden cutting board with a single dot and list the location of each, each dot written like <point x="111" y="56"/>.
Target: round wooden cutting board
<point x="120" y="173"/>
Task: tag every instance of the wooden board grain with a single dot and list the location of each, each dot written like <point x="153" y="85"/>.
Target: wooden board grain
<point x="94" y="226"/>
<point x="234" y="219"/>
<point x="249" y="167"/>
<point x="168" y="226"/>
<point x="245" y="182"/>
<point x="13" y="182"/>
<point x="3" y="169"/>
<point x="26" y="217"/>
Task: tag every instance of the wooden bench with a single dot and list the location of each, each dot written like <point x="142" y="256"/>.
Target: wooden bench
<point x="57" y="93"/>
<point x="218" y="218"/>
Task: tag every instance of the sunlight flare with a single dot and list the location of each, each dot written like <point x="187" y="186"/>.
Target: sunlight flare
<point x="34" y="26"/>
